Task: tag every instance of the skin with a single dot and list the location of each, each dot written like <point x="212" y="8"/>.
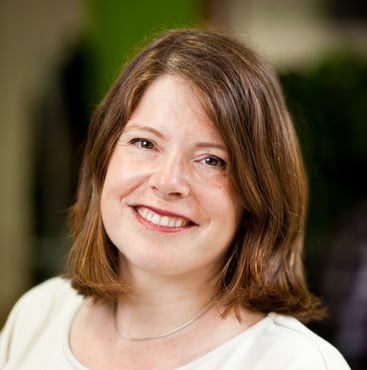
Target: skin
<point x="168" y="207"/>
<point x="167" y="185"/>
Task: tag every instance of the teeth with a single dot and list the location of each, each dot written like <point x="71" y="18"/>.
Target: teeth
<point x="157" y="219"/>
<point x="164" y="221"/>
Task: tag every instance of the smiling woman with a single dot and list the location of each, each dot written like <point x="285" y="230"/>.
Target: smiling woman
<point x="167" y="168"/>
<point x="187" y="227"/>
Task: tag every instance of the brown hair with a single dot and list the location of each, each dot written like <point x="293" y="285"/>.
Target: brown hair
<point x="241" y="95"/>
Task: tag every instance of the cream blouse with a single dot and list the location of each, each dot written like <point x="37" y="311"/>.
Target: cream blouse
<point x="36" y="333"/>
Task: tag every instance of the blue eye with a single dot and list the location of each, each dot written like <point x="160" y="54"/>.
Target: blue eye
<point x="143" y="143"/>
<point x="214" y="161"/>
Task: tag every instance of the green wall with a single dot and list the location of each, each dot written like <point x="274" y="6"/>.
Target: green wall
<point x="115" y="27"/>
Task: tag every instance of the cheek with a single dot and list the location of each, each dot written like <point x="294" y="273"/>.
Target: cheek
<point x="222" y="204"/>
<point x="234" y="209"/>
<point x="113" y="192"/>
<point x="121" y="179"/>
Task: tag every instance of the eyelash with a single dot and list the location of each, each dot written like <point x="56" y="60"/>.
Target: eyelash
<point x="144" y="143"/>
<point x="149" y="145"/>
<point x="219" y="162"/>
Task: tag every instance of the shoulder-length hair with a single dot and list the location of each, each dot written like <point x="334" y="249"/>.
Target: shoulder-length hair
<point x="241" y="95"/>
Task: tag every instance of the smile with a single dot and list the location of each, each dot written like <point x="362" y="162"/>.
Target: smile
<point x="160" y="220"/>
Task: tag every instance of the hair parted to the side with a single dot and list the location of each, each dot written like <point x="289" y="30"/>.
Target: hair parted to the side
<point x="241" y="95"/>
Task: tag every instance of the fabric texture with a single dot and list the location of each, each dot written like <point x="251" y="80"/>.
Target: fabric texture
<point x="35" y="336"/>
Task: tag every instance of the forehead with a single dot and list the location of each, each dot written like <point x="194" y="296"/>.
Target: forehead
<point x="171" y="101"/>
<point x="170" y="88"/>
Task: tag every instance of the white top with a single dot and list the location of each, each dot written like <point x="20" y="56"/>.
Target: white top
<point x="36" y="337"/>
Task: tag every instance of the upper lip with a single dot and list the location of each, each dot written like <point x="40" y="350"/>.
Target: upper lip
<point x="163" y="212"/>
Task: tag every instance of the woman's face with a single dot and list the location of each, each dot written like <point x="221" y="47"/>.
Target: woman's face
<point x="167" y="204"/>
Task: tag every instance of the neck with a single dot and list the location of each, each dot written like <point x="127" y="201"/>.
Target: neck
<point x="165" y="303"/>
<point x="170" y="332"/>
<point x="160" y="289"/>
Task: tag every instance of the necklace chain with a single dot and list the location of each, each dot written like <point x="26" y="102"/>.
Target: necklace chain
<point x="168" y="333"/>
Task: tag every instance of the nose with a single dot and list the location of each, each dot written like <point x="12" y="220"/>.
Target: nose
<point x="169" y="179"/>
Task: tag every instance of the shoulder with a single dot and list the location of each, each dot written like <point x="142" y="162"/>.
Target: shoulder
<point x="55" y="286"/>
<point x="293" y="341"/>
<point x="51" y="295"/>
<point x="44" y="309"/>
<point x="276" y="342"/>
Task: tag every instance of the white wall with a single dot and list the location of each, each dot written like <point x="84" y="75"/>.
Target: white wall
<point x="35" y="35"/>
<point x="293" y="32"/>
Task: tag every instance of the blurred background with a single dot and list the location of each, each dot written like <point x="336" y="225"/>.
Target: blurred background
<point x="58" y="58"/>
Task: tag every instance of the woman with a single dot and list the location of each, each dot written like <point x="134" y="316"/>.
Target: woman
<point x="187" y="228"/>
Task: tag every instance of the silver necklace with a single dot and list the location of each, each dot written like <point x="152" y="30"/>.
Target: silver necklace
<point x="168" y="333"/>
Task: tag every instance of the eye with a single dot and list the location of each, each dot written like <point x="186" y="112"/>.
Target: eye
<point x="143" y="143"/>
<point x="214" y="161"/>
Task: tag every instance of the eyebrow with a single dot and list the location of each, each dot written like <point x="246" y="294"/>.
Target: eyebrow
<point x="204" y="144"/>
<point x="138" y="127"/>
<point x="211" y="145"/>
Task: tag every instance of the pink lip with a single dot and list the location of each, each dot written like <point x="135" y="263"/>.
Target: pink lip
<point x="162" y="212"/>
<point x="161" y="228"/>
